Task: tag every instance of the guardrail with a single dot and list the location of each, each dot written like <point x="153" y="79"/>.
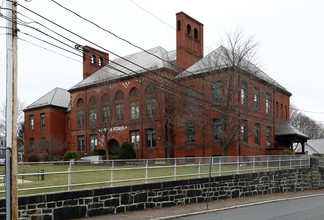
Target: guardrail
<point x="81" y="174"/>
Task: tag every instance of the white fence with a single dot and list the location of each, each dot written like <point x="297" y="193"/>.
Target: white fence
<point x="44" y="177"/>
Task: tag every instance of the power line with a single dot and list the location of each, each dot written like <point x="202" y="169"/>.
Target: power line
<point x="150" y="14"/>
<point x="121" y="57"/>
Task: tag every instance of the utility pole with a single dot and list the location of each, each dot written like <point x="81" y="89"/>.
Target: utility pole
<point x="11" y="113"/>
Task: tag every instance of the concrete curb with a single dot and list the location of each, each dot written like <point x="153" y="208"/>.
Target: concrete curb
<point x="234" y="207"/>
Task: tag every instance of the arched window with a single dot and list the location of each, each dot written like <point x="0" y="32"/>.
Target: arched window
<point x="133" y="92"/>
<point x="188" y="29"/>
<point x="195" y="33"/>
<point x="80" y="102"/>
<point x="100" y="61"/>
<point x="105" y="97"/>
<point x="92" y="100"/>
<point x="93" y="59"/>
<point x="119" y="95"/>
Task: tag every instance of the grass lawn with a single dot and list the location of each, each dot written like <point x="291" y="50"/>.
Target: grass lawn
<point x="101" y="174"/>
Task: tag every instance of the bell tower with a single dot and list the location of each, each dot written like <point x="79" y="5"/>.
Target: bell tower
<point x="190" y="40"/>
<point x="93" y="60"/>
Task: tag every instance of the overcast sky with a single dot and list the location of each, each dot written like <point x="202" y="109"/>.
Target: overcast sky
<point x="290" y="33"/>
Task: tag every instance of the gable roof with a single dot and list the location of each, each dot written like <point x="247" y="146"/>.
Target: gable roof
<point x="287" y="129"/>
<point x="217" y="60"/>
<point x="57" y="97"/>
<point x="316" y="145"/>
<point x="121" y="67"/>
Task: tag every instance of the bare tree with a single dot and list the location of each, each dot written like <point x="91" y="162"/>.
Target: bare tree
<point x="305" y="124"/>
<point x="50" y="147"/>
<point x="162" y="109"/>
<point x="20" y="117"/>
<point x="231" y="73"/>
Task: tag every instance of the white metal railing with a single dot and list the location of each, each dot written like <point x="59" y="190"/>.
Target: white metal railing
<point x="113" y="172"/>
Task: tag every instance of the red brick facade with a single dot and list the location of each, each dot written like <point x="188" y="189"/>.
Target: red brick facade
<point x="80" y="123"/>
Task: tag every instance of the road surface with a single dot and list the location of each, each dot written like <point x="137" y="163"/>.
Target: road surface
<point x="298" y="209"/>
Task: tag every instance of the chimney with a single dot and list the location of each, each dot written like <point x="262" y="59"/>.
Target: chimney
<point x="190" y="41"/>
<point x="93" y="60"/>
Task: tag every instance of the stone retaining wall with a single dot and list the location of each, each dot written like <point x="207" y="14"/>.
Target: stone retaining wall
<point x="92" y="202"/>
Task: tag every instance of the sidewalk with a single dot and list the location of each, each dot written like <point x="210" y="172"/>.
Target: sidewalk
<point x="192" y="209"/>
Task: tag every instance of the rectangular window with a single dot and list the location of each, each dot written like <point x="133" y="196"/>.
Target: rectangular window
<point x="106" y="114"/>
<point x="93" y="116"/>
<point x="80" y="118"/>
<point x="93" y="142"/>
<point x="68" y="123"/>
<point x="257" y="134"/>
<point x="43" y="144"/>
<point x="277" y="109"/>
<point x="42" y="120"/>
<point x="190" y="132"/>
<point x="0" y="151"/>
<point x="81" y="143"/>
<point x="256" y="99"/>
<point x="244" y="131"/>
<point x="243" y="94"/>
<point x="135" y="138"/>
<point x="286" y="110"/>
<point x="217" y="93"/>
<point x="216" y="129"/>
<point x="119" y="112"/>
<point x="268" y="136"/>
<point x="281" y="111"/>
<point x="1" y="143"/>
<point x="31" y="144"/>
<point x="31" y="122"/>
<point x="150" y="138"/>
<point x="134" y="110"/>
<point x="150" y="108"/>
<point x="268" y="104"/>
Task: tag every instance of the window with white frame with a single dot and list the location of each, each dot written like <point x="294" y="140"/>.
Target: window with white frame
<point x="134" y="110"/>
<point x="257" y="133"/>
<point x="150" y="108"/>
<point x="150" y="137"/>
<point x="81" y="143"/>
<point x="268" y="136"/>
<point x="31" y="122"/>
<point x="106" y="114"/>
<point x="216" y="129"/>
<point x="42" y="120"/>
<point x="80" y="118"/>
<point x="268" y="103"/>
<point x="134" y="138"/>
<point x="93" y="116"/>
<point x="217" y="93"/>
<point x="93" y="142"/>
<point x="190" y="132"/>
<point x="243" y="94"/>
<point x="256" y="99"/>
<point x="119" y="112"/>
<point x="244" y="131"/>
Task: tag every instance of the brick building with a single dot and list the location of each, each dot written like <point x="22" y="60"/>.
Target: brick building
<point x="165" y="103"/>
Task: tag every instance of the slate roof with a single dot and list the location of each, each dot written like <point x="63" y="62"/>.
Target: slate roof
<point x="120" y="68"/>
<point x="218" y="60"/>
<point x="57" y="97"/>
<point x="287" y="129"/>
<point x="317" y="145"/>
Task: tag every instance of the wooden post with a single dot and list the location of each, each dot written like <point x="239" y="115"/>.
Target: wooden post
<point x="14" y="153"/>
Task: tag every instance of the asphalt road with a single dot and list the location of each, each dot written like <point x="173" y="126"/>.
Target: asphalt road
<point x="299" y="209"/>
